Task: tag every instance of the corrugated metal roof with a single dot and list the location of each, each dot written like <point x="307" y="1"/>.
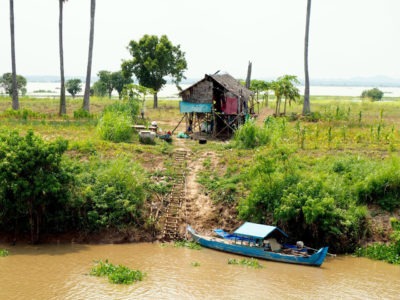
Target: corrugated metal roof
<point x="257" y="230"/>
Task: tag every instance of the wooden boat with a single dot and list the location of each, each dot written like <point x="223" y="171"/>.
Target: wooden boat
<point x="260" y="241"/>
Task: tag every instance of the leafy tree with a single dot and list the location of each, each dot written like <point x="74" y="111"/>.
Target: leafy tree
<point x="63" y="105"/>
<point x="119" y="81"/>
<point x="6" y="82"/>
<point x="259" y="86"/>
<point x="99" y="89"/>
<point x="74" y="86"/>
<point x="33" y="180"/>
<point x="86" y="96"/>
<point x="105" y="79"/>
<point x="374" y="94"/>
<point x="153" y="59"/>
<point x="136" y="91"/>
<point x="113" y="80"/>
<point x="14" y="85"/>
<point x="284" y="87"/>
<point x="306" y="104"/>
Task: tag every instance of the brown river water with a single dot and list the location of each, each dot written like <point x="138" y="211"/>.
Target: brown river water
<point x="61" y="272"/>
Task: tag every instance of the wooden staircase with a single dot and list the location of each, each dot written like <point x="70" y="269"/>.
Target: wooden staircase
<point x="176" y="201"/>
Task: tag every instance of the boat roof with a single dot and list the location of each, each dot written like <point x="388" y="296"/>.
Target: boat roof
<point x="257" y="230"/>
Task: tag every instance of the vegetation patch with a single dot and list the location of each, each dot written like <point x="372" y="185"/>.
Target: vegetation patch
<point x="387" y="252"/>
<point x="195" y="264"/>
<point x="4" y="252"/>
<point x="117" y="274"/>
<point x="187" y="244"/>
<point x="252" y="263"/>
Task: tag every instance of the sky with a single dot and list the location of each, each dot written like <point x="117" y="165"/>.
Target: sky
<point x="348" y="38"/>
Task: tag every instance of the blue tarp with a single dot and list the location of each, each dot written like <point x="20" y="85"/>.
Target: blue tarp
<point x="229" y="236"/>
<point x="257" y="230"/>
<point x="187" y="107"/>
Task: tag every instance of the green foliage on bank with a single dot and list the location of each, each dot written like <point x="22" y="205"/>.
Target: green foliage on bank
<point x="389" y="252"/>
<point x="109" y="194"/>
<point x="43" y="191"/>
<point x="33" y="181"/>
<point x="320" y="200"/>
<point x="117" y="274"/>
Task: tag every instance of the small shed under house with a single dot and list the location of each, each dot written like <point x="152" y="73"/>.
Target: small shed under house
<point x="216" y="105"/>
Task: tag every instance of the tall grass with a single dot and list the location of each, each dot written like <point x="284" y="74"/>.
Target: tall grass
<point x="115" y="127"/>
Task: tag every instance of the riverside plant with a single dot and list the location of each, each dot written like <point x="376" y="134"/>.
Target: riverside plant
<point x="117" y="274"/>
<point x="252" y="263"/>
<point x="4" y="252"/>
<point x="187" y="244"/>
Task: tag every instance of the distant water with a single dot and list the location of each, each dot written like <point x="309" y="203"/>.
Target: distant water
<point x="52" y="89"/>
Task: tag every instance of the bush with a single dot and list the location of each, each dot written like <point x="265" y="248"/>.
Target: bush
<point x="82" y="114"/>
<point x="111" y="195"/>
<point x="381" y="185"/>
<point x="35" y="184"/>
<point x="372" y="94"/>
<point x="115" y="127"/>
<point x="313" y="203"/>
<point x="250" y="136"/>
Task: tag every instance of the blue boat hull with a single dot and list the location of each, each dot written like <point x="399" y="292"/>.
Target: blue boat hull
<point x="315" y="259"/>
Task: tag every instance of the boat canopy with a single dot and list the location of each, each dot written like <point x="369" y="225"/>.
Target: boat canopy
<point x="257" y="231"/>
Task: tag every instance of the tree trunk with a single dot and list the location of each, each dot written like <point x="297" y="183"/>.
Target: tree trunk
<point x="15" y="101"/>
<point x="63" y="106"/>
<point x="306" y="104"/>
<point x="278" y="106"/>
<point x="284" y="108"/>
<point x="31" y="220"/>
<point x="248" y="77"/>
<point x="86" y="96"/>
<point x="155" y="105"/>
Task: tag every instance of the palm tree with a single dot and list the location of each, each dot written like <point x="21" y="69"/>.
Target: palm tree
<point x="15" y="101"/>
<point x="63" y="106"/>
<point x="86" y="103"/>
<point x="306" y="104"/>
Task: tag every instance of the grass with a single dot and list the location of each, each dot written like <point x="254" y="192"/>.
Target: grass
<point x="117" y="274"/>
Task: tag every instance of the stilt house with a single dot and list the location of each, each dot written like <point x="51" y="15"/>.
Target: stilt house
<point x="216" y="105"/>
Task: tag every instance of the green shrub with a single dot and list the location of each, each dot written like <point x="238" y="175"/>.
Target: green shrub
<point x="23" y="114"/>
<point x="35" y="184"/>
<point x="82" y="114"/>
<point x="111" y="194"/>
<point x="250" y="136"/>
<point x="374" y="94"/>
<point x="115" y="127"/>
<point x="381" y="185"/>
